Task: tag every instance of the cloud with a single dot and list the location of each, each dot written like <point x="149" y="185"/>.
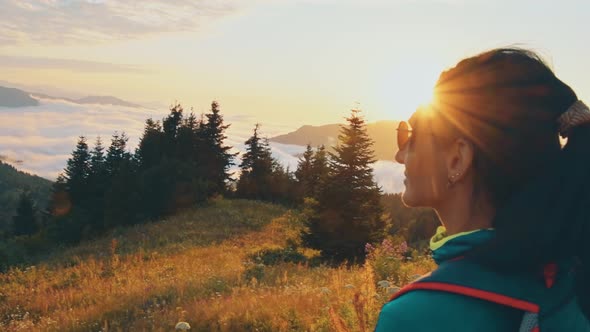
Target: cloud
<point x="58" y="21"/>
<point x="389" y="175"/>
<point x="68" y="64"/>
<point x="43" y="137"/>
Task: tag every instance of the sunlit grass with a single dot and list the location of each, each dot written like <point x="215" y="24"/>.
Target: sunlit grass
<point x="194" y="267"/>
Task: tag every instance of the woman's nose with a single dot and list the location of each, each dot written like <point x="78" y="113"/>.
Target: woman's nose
<point x="400" y="156"/>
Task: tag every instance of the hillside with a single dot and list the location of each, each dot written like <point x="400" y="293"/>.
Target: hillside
<point x="226" y="266"/>
<point x="12" y="183"/>
<point x="381" y="132"/>
<point x="10" y="97"/>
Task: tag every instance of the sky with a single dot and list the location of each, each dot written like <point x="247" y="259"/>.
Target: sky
<point x="292" y="62"/>
<point x="281" y="63"/>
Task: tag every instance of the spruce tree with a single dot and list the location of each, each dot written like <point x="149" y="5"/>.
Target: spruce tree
<point x="25" y="221"/>
<point x="98" y="184"/>
<point x="319" y="171"/>
<point x="77" y="171"/>
<point x="121" y="197"/>
<point x="347" y="215"/>
<point x="151" y="145"/>
<point x="117" y="154"/>
<point x="188" y="142"/>
<point x="170" y="126"/>
<point x="304" y="173"/>
<point x="97" y="157"/>
<point x="219" y="159"/>
<point x="256" y="168"/>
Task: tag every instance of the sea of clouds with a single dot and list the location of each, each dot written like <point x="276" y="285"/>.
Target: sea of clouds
<point x="40" y="139"/>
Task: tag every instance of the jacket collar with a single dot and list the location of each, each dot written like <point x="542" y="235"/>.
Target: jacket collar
<point x="448" y="247"/>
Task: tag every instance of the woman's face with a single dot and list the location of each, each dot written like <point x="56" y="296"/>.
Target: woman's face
<point x="425" y="167"/>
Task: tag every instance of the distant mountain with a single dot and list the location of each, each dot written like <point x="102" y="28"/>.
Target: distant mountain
<point x="10" y="97"/>
<point x="98" y="100"/>
<point x="105" y="100"/>
<point x="381" y="132"/>
<point x="314" y="135"/>
<point x="12" y="183"/>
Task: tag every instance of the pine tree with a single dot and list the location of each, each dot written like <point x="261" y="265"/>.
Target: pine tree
<point x="98" y="184"/>
<point x="97" y="157"/>
<point x="304" y="173"/>
<point x="117" y="154"/>
<point x="187" y="140"/>
<point x="151" y="146"/>
<point x="77" y="171"/>
<point x="256" y="169"/>
<point x="348" y="211"/>
<point x="170" y="126"/>
<point x="320" y="171"/>
<point x="121" y="196"/>
<point x="219" y="159"/>
<point x="25" y="221"/>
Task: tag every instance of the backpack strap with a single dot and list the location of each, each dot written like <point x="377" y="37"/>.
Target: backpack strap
<point x="540" y="297"/>
<point x="463" y="277"/>
<point x="530" y="319"/>
<point x="470" y="292"/>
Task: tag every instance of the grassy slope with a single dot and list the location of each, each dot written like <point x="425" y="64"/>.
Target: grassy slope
<point x="193" y="267"/>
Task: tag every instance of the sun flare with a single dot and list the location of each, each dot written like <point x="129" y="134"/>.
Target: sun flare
<point x="405" y="88"/>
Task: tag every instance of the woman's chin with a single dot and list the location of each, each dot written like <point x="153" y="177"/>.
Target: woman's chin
<point x="408" y="199"/>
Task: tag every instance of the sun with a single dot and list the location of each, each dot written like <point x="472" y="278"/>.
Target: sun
<point x="403" y="88"/>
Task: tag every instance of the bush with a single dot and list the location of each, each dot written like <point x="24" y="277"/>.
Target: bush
<point x="278" y="255"/>
<point x="395" y="262"/>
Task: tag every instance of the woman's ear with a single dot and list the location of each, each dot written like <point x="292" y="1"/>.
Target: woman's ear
<point x="459" y="159"/>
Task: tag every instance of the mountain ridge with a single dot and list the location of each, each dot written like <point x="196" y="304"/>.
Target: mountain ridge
<point x="12" y="97"/>
<point x="99" y="100"/>
<point x="381" y="132"/>
<point x="15" y="97"/>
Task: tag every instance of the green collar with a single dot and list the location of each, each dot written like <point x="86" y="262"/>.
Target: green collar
<point x="447" y="247"/>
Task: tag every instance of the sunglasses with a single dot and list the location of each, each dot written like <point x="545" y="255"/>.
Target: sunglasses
<point x="404" y="134"/>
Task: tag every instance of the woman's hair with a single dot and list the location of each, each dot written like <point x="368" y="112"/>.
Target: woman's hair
<point x="507" y="102"/>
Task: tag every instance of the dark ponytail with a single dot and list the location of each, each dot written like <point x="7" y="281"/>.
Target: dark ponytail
<point x="549" y="220"/>
<point x="577" y="154"/>
<point x="508" y="102"/>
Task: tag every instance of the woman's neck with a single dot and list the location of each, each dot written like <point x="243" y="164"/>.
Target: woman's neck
<point x="461" y="212"/>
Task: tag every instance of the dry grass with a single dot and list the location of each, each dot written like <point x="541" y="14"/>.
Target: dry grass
<point x="192" y="268"/>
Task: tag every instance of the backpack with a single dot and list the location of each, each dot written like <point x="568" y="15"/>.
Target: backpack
<point x="548" y="301"/>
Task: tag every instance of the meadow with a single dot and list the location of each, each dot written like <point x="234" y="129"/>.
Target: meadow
<point x="229" y="265"/>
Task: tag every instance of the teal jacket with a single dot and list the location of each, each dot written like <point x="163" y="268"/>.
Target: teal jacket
<point x="424" y="310"/>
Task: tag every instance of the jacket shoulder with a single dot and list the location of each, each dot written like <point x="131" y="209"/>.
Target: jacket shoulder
<point x="424" y="310"/>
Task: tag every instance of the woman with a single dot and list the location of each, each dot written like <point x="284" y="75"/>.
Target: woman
<point x="514" y="204"/>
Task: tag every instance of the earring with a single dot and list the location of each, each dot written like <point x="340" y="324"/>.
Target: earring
<point x="452" y="180"/>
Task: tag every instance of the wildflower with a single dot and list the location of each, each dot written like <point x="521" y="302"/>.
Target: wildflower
<point x="182" y="326"/>
<point x="401" y="249"/>
<point x="387" y="246"/>
<point x="369" y="248"/>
